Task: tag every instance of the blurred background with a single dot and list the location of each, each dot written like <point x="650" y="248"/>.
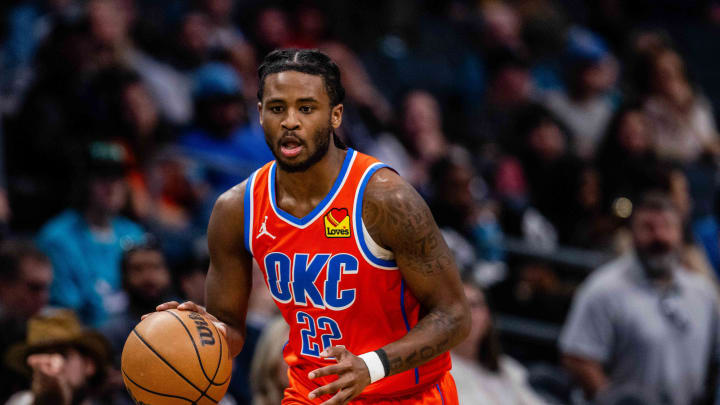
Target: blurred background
<point x="529" y="126"/>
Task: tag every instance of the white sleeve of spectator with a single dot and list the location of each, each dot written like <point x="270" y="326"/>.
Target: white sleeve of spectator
<point x="588" y="330"/>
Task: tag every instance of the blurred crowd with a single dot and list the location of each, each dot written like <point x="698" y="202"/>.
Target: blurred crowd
<point x="531" y="127"/>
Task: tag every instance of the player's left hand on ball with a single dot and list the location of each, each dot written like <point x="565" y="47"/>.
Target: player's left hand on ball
<point x="353" y="376"/>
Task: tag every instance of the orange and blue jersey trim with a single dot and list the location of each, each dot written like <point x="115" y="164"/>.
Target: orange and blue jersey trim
<point x="324" y="204"/>
<point x="248" y="211"/>
<point x="358" y="232"/>
<point x="407" y="324"/>
<point x="442" y="397"/>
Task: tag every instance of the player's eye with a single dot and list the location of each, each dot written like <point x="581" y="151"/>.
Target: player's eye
<point x="306" y="109"/>
<point x="276" y="109"/>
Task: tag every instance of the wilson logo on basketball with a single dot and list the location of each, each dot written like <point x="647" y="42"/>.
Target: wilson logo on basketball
<point x="337" y="223"/>
<point x="203" y="329"/>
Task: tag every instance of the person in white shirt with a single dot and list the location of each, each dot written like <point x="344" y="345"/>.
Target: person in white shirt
<point x="483" y="375"/>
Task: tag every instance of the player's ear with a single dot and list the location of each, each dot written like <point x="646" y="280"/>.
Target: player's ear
<point x="259" y="106"/>
<point x="336" y="116"/>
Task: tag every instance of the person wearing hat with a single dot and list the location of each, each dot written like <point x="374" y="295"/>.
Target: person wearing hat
<point x="226" y="142"/>
<point x="588" y="103"/>
<point x="85" y="243"/>
<point x="66" y="362"/>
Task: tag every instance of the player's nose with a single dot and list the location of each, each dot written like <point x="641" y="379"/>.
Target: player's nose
<point x="290" y="121"/>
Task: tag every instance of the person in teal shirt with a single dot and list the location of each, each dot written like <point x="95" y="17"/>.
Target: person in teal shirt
<point x="85" y="245"/>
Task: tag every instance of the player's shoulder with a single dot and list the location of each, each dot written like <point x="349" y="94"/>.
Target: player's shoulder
<point x="388" y="187"/>
<point x="231" y="202"/>
<point x="392" y="208"/>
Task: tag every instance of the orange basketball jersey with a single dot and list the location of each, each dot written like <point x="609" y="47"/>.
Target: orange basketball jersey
<point x="333" y="284"/>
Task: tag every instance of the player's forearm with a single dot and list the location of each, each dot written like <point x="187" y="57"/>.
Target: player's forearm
<point x="437" y="332"/>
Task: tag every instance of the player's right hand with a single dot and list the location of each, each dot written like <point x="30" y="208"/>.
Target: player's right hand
<point x="191" y="306"/>
<point x="232" y="336"/>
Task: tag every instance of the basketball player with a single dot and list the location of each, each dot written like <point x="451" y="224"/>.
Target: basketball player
<point x="349" y="251"/>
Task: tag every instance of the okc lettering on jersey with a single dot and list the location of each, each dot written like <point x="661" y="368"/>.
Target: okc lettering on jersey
<point x="294" y="280"/>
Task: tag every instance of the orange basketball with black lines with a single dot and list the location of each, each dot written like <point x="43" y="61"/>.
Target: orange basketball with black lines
<point x="176" y="357"/>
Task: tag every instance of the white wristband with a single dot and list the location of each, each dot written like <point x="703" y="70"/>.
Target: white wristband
<point x="374" y="365"/>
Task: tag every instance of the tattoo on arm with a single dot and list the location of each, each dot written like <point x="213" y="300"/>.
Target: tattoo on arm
<point x="447" y="328"/>
<point x="395" y="213"/>
<point x="397" y="218"/>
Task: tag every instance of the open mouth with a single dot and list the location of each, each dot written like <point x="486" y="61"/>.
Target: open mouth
<point x="290" y="147"/>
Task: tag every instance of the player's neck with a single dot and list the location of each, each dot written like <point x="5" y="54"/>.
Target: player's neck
<point x="315" y="182"/>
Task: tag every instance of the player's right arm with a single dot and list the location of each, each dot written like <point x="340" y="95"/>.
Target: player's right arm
<point x="229" y="278"/>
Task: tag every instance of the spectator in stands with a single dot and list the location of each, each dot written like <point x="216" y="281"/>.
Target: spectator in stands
<point x="227" y="42"/>
<point x="109" y="23"/>
<point x="68" y="363"/>
<point x="25" y="276"/>
<point x="147" y="283"/>
<point x="510" y="91"/>
<point x="269" y="370"/>
<point x="483" y="374"/>
<point x="272" y="30"/>
<point x="555" y="177"/>
<point x="191" y="48"/>
<point x="693" y="256"/>
<point x="85" y="244"/>
<point x="423" y="137"/>
<point x="124" y="110"/>
<point x="643" y="321"/>
<point x="460" y="204"/>
<point x="502" y="27"/>
<point x="224" y="142"/>
<point x="626" y="159"/>
<point x="126" y="113"/>
<point x="190" y="279"/>
<point x="29" y="23"/>
<point x="586" y="106"/>
<point x="680" y="117"/>
<point x="224" y="34"/>
<point x="140" y="124"/>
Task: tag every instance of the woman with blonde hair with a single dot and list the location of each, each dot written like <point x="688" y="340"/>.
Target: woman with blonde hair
<point x="268" y="372"/>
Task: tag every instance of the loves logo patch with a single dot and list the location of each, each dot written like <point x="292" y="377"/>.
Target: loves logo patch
<point x="337" y="223"/>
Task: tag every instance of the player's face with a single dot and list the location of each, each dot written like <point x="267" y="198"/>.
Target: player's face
<point x="297" y="118"/>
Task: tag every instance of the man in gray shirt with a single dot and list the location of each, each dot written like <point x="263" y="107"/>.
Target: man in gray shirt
<point x="644" y="322"/>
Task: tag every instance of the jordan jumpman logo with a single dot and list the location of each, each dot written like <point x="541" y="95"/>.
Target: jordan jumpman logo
<point x="263" y="230"/>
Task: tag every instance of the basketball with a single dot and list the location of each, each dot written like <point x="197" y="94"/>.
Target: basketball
<point x="176" y="357"/>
